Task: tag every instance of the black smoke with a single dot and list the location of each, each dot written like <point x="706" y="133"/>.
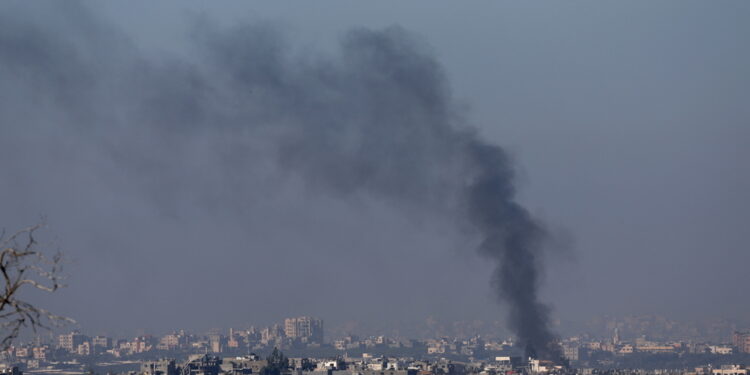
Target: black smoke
<point x="514" y="240"/>
<point x="377" y="118"/>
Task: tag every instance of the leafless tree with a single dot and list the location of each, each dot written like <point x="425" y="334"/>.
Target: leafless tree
<point x="25" y="265"/>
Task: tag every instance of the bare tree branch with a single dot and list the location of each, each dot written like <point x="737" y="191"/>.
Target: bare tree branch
<point x="24" y="265"/>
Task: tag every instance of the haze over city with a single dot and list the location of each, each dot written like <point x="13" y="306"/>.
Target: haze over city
<point x="314" y="186"/>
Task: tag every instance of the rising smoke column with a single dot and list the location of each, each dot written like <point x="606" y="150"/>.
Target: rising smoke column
<point x="375" y="119"/>
<point x="513" y="239"/>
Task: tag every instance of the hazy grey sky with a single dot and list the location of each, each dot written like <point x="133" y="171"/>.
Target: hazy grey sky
<point x="629" y="122"/>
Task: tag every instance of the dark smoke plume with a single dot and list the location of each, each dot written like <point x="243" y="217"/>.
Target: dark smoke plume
<point x="376" y="119"/>
<point x="513" y="239"/>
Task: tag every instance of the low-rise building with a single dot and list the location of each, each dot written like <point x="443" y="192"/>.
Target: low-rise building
<point x="730" y="370"/>
<point x="161" y="367"/>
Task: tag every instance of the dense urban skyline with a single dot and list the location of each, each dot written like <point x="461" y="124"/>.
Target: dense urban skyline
<point x="313" y="351"/>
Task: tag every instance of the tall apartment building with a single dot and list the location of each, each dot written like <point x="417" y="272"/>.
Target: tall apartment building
<point x="216" y="343"/>
<point x="70" y="341"/>
<point x="304" y="327"/>
<point x="741" y="340"/>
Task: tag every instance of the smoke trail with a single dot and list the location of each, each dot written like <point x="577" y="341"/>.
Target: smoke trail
<point x="513" y="239"/>
<point x="376" y="119"/>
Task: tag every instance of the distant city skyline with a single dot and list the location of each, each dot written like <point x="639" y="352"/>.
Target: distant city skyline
<point x="242" y="351"/>
<point x="629" y="327"/>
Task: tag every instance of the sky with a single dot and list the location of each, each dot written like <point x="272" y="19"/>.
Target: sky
<point x="627" y="123"/>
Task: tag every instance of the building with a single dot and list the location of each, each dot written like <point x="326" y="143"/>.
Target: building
<point x="101" y="343"/>
<point x="141" y="344"/>
<point x="741" y="340"/>
<point x="172" y="341"/>
<point x="23" y="352"/>
<point x="571" y="352"/>
<point x="304" y="328"/>
<point x="202" y="365"/>
<point x="161" y="367"/>
<point x="720" y="349"/>
<point x="232" y="341"/>
<point x="216" y="343"/>
<point x="730" y="370"/>
<point x="504" y="364"/>
<point x="249" y="364"/>
<point x="626" y="349"/>
<point x="70" y="341"/>
<point x="84" y="349"/>
<point x="271" y="334"/>
<point x="541" y="366"/>
<point x="655" y="349"/>
<point x="39" y="353"/>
